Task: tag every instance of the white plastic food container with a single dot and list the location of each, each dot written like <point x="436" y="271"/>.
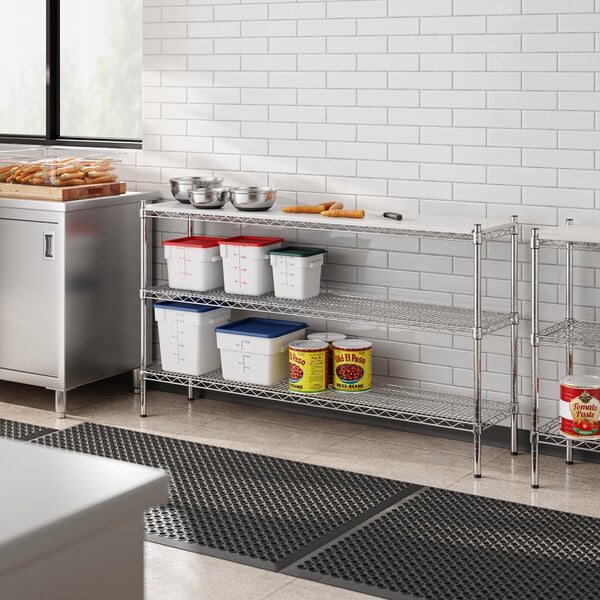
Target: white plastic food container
<point x="246" y="267"/>
<point x="194" y="263"/>
<point x="297" y="272"/>
<point x="187" y="337"/>
<point x="255" y="350"/>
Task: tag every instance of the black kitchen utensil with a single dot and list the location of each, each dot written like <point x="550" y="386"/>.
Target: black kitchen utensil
<point x="393" y="215"/>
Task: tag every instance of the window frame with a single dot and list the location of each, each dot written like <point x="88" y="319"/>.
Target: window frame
<point x="53" y="136"/>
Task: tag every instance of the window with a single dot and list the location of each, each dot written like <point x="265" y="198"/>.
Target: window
<point x="76" y="72"/>
<point x="23" y="89"/>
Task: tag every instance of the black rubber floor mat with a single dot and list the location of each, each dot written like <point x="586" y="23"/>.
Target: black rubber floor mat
<point x="254" y="509"/>
<point x="22" y="431"/>
<point x="442" y="545"/>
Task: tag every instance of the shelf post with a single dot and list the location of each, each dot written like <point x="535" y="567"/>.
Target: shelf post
<point x="190" y="226"/>
<point x="477" y="339"/>
<point x="514" y="336"/>
<point x="535" y="344"/>
<point x="569" y="321"/>
<point x="143" y="306"/>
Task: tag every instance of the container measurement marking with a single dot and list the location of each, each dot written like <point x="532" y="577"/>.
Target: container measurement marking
<point x="240" y="269"/>
<point x="185" y="259"/>
<point x="286" y="273"/>
<point x="242" y="363"/>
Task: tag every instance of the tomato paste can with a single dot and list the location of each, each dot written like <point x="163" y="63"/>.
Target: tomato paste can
<point x="353" y="365"/>
<point x="308" y="366"/>
<point x="580" y="406"/>
<point x="324" y="336"/>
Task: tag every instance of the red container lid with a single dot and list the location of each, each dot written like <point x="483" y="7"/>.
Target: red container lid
<point x="250" y="240"/>
<point x="196" y="241"/>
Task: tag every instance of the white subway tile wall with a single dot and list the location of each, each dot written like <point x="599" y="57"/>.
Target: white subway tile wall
<point x="474" y="107"/>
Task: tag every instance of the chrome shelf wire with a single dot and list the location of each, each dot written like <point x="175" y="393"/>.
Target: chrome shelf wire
<point x="588" y="246"/>
<point x="387" y="313"/>
<point x="385" y="400"/>
<point x="578" y="334"/>
<point x="549" y="434"/>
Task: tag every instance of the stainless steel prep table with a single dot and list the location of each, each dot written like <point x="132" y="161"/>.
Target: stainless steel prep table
<point x="69" y="277"/>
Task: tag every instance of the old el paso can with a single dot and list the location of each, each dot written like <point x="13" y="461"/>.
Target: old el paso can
<point x="308" y="366"/>
<point x="330" y="338"/>
<point x="352" y="365"/>
<point x="580" y="406"/>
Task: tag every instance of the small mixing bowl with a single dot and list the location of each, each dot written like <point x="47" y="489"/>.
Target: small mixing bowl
<point x="182" y="186"/>
<point x="253" y="198"/>
<point x="211" y="197"/>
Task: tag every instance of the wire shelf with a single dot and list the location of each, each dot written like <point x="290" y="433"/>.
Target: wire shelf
<point x="549" y="434"/>
<point x="387" y="313"/>
<point x="386" y="400"/>
<point x="175" y="210"/>
<point x="578" y="334"/>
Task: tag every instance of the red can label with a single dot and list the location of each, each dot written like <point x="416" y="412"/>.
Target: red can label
<point x="579" y="411"/>
<point x="352" y="367"/>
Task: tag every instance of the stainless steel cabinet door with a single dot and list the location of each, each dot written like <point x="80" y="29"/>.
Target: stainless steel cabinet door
<point x="29" y="301"/>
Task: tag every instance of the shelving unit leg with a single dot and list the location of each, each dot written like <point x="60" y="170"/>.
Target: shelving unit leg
<point x="477" y="339"/>
<point x="514" y="337"/>
<point x="143" y="307"/>
<point x="535" y="344"/>
<point x="190" y="387"/>
<point x="569" y="319"/>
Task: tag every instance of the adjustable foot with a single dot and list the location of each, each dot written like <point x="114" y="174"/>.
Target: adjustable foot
<point x="135" y="380"/>
<point x="60" y="404"/>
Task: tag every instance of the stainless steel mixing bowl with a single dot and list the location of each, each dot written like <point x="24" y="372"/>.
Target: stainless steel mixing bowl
<point x="182" y="186"/>
<point x="253" y="198"/>
<point x="210" y="197"/>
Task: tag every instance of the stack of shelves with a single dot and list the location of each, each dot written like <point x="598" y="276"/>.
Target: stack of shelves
<point x="569" y="334"/>
<point x="386" y="401"/>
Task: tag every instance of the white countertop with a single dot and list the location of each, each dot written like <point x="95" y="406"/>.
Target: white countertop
<point x="581" y="234"/>
<point x="50" y="497"/>
<point x="460" y="226"/>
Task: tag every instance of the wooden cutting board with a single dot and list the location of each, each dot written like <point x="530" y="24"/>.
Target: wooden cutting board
<point x="61" y="194"/>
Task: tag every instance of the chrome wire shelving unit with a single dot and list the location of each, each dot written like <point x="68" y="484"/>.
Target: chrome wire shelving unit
<point x="569" y="334"/>
<point x="387" y="401"/>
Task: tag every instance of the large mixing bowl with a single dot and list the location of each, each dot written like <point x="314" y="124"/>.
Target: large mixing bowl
<point x="253" y="198"/>
<point x="211" y="197"/>
<point x="182" y="186"/>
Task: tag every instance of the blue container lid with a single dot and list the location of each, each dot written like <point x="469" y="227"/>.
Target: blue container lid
<point x="264" y="328"/>
<point x="196" y="308"/>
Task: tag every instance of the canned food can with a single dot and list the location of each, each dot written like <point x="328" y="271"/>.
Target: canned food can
<point x="580" y="406"/>
<point x="352" y="361"/>
<point x="324" y="336"/>
<point x="308" y="366"/>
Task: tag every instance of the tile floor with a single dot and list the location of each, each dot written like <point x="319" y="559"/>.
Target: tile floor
<point x="180" y="575"/>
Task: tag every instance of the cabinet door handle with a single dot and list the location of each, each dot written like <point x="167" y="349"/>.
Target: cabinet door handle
<point x="49" y="245"/>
